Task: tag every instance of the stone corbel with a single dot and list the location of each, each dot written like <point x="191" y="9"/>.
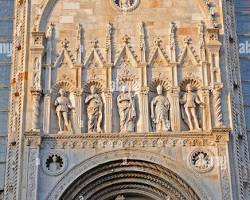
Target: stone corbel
<point x="37" y="43"/>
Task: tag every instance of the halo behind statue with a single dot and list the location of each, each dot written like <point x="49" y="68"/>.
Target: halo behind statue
<point x="195" y="83"/>
<point x="98" y="85"/>
<point x="164" y="83"/>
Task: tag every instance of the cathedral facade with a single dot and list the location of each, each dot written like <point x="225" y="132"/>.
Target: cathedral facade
<point x="126" y="99"/>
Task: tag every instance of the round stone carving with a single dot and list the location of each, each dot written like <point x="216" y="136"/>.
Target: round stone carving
<point x="55" y="164"/>
<point x="125" y="5"/>
<point x="201" y="161"/>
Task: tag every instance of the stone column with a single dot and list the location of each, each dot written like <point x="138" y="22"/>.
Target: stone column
<point x="32" y="162"/>
<point x="206" y="114"/>
<point x="175" y="110"/>
<point x="36" y="96"/>
<point x="77" y="111"/>
<point x="108" y="111"/>
<point x="217" y="106"/>
<point x="46" y="112"/>
<point x="144" y="111"/>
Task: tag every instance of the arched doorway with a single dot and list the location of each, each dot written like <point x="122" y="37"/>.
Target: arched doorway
<point x="134" y="179"/>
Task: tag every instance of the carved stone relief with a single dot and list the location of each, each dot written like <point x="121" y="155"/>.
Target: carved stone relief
<point x="125" y="5"/>
<point x="94" y="109"/>
<point x="54" y="164"/>
<point x="201" y="160"/>
<point x="127" y="112"/>
<point x="63" y="107"/>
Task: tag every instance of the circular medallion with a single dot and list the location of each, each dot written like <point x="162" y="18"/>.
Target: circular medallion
<point x="125" y="5"/>
<point x="201" y="160"/>
<point x="55" y="163"/>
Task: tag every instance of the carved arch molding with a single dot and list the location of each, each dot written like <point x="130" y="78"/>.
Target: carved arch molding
<point x="127" y="172"/>
<point x="129" y="177"/>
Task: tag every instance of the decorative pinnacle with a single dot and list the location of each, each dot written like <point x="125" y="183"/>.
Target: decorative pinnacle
<point x="158" y="41"/>
<point x="94" y="43"/>
<point x="126" y="39"/>
<point x="65" y="43"/>
<point x="188" y="39"/>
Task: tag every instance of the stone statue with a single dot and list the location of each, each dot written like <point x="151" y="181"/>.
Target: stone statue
<point x="94" y="111"/>
<point x="201" y="161"/>
<point x="190" y="100"/>
<point x="160" y="111"/>
<point x="126" y="110"/>
<point x="54" y="165"/>
<point x="63" y="107"/>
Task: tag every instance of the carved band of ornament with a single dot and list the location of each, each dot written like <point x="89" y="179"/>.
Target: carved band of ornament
<point x="114" y="141"/>
<point x="36" y="92"/>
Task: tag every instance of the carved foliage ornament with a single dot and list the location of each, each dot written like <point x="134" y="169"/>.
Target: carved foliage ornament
<point x="125" y="5"/>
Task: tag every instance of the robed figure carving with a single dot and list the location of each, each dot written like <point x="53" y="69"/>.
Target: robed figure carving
<point x="127" y="112"/>
<point x="63" y="107"/>
<point x="94" y="111"/>
<point x="160" y="111"/>
<point x="190" y="102"/>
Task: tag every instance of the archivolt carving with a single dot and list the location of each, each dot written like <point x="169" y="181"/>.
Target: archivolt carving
<point x="173" y="169"/>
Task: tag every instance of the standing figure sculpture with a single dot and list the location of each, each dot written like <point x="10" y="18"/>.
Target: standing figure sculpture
<point x="190" y="100"/>
<point x="94" y="111"/>
<point x="127" y="112"/>
<point x="63" y="107"/>
<point x="160" y="111"/>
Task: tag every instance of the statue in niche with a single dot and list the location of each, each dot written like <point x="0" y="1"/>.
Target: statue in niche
<point x="54" y="165"/>
<point x="63" y="107"/>
<point x="160" y="111"/>
<point x="190" y="102"/>
<point x="94" y="111"/>
<point x="127" y="112"/>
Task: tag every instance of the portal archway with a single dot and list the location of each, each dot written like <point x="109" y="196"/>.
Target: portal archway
<point x="141" y="174"/>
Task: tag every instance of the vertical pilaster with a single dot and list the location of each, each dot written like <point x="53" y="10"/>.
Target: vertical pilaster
<point x="175" y="110"/>
<point x="108" y="111"/>
<point x="46" y="112"/>
<point x="77" y="111"/>
<point x="36" y="96"/>
<point x="144" y="112"/>
<point x="206" y="111"/>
